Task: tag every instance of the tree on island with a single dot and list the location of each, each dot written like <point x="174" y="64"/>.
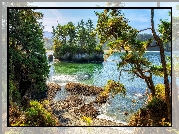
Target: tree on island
<point x="74" y="40"/>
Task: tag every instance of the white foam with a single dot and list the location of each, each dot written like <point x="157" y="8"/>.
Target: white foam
<point x="62" y="79"/>
<point x="103" y="116"/>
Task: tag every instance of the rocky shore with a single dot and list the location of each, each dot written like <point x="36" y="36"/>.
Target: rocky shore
<point x="72" y="109"/>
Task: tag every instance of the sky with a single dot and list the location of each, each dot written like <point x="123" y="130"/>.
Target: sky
<point x="139" y="18"/>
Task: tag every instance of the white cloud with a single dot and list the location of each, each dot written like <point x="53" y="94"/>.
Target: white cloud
<point x="58" y="18"/>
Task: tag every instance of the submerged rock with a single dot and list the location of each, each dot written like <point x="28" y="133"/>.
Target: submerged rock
<point x="83" y="76"/>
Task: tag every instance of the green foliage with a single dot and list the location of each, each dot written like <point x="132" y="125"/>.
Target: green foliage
<point x="157" y="70"/>
<point x="160" y="91"/>
<point x="115" y="88"/>
<point x="112" y="27"/>
<point x="165" y="29"/>
<point x="27" y="56"/>
<point x="14" y="94"/>
<point x="36" y="115"/>
<point x="88" y="120"/>
<point x="73" y="39"/>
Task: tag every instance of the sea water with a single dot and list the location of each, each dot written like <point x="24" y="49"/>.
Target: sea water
<point x="116" y="106"/>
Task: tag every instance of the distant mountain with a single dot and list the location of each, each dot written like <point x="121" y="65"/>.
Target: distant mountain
<point x="47" y="34"/>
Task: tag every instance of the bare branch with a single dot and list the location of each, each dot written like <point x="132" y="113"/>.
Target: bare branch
<point x="144" y="29"/>
<point x="135" y="72"/>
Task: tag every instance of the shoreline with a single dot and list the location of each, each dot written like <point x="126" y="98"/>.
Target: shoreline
<point x="65" y="110"/>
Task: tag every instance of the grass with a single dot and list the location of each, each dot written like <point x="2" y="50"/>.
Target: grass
<point x="74" y="68"/>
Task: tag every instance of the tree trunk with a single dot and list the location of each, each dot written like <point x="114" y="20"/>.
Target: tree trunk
<point x="150" y="85"/>
<point x="163" y="61"/>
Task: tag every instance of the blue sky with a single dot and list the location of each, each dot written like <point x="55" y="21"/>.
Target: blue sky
<point x="139" y="18"/>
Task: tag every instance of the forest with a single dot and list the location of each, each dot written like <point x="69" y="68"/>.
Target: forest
<point x="31" y="100"/>
<point x="48" y="43"/>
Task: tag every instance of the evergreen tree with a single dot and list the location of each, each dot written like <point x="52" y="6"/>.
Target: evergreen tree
<point x="28" y="67"/>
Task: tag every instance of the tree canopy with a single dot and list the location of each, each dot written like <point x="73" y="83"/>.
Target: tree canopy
<point x="75" y="40"/>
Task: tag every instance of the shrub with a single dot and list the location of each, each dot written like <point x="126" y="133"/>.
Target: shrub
<point x="88" y="120"/>
<point x="158" y="109"/>
<point x="160" y="91"/>
<point x="156" y="105"/>
<point x="14" y="94"/>
<point x="115" y="88"/>
<point x="37" y="115"/>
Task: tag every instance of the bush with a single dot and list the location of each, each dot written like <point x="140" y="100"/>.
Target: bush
<point x="14" y="94"/>
<point x="88" y="120"/>
<point x="158" y="109"/>
<point x="156" y="105"/>
<point x="155" y="114"/>
<point x="36" y="115"/>
<point x="160" y="91"/>
<point x="115" y="88"/>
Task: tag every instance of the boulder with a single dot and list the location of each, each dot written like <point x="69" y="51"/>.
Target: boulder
<point x="50" y="58"/>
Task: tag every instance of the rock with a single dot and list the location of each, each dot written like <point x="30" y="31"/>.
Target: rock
<point x="50" y="58"/>
<point x="101" y="98"/>
<point x="74" y="101"/>
<point x="87" y="110"/>
<point x="52" y="89"/>
<point x="81" y="89"/>
<point x="82" y="76"/>
<point x="125" y="113"/>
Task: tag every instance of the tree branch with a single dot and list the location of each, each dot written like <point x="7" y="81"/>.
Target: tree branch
<point x="144" y="29"/>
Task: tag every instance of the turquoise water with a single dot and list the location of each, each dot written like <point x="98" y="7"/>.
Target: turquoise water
<point x="115" y="107"/>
